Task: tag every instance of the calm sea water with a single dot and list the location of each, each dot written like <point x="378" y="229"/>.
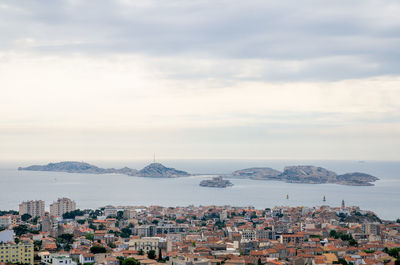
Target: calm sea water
<point x="91" y="191"/>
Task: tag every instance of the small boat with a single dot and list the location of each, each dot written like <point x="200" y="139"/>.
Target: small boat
<point x="287" y="196"/>
<point x="324" y="199"/>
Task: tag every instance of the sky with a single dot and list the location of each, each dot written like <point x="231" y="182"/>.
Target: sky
<point x="123" y="79"/>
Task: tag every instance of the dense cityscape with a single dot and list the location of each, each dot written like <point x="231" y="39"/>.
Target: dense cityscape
<point x="195" y="235"/>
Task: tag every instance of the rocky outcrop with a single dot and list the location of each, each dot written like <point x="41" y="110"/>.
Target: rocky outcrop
<point x="154" y="170"/>
<point x="257" y="173"/>
<point x="216" y="182"/>
<point x="78" y="167"/>
<point x="157" y="170"/>
<point x="306" y="174"/>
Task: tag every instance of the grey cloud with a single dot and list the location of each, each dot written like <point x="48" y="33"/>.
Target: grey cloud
<point x="230" y="30"/>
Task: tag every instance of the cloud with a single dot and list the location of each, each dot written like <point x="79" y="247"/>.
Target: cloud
<point x="201" y="78"/>
<point x="346" y="42"/>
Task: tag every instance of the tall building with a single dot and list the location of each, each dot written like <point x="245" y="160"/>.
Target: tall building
<point x="33" y="208"/>
<point x="16" y="253"/>
<point x="61" y="206"/>
<point x="110" y="210"/>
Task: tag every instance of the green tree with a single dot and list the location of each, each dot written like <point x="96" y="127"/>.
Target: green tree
<point x="25" y="217"/>
<point x="130" y="261"/>
<point x="20" y="230"/>
<point x="98" y="249"/>
<point x="151" y="254"/>
<point x="73" y="214"/>
<point x="89" y="236"/>
<point x="126" y="232"/>
<point x="340" y="261"/>
<point x="394" y="252"/>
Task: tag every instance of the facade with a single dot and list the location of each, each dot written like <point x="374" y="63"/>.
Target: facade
<point x="5" y="221"/>
<point x="182" y="260"/>
<point x="86" y="258"/>
<point x="110" y="210"/>
<point x="63" y="260"/>
<point x="145" y="244"/>
<point x="16" y="253"/>
<point x="61" y="206"/>
<point x="33" y="208"/>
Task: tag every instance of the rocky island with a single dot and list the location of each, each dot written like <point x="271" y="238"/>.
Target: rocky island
<point x="306" y="174"/>
<point x="216" y="182"/>
<point x="154" y="170"/>
<point x="157" y="170"/>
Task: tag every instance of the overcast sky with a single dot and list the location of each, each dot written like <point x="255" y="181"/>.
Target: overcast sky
<point x="86" y="80"/>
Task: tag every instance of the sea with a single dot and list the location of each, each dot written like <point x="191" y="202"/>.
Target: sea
<point x="93" y="191"/>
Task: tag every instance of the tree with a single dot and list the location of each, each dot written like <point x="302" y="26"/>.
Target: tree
<point x="151" y="254"/>
<point x="394" y="252"/>
<point x="111" y="245"/>
<point x="340" y="261"/>
<point x="160" y="258"/>
<point x="130" y="261"/>
<point x="20" y="230"/>
<point x="333" y="233"/>
<point x="89" y="236"/>
<point x="259" y="261"/>
<point x="140" y="252"/>
<point x="73" y="214"/>
<point x="25" y="217"/>
<point x="126" y="232"/>
<point x="98" y="249"/>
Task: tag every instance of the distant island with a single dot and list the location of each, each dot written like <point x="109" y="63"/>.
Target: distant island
<point x="154" y="170"/>
<point x="306" y="174"/>
<point x="216" y="182"/>
<point x="292" y="174"/>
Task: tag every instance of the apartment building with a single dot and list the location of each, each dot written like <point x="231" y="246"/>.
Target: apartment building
<point x="145" y="243"/>
<point x="17" y="253"/>
<point x="33" y="208"/>
<point x="61" y="206"/>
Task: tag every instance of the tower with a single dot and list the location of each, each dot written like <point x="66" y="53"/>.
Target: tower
<point x="343" y="204"/>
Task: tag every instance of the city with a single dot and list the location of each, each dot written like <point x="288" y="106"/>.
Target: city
<point x="196" y="235"/>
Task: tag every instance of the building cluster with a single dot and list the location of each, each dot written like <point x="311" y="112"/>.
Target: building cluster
<point x="197" y="235"/>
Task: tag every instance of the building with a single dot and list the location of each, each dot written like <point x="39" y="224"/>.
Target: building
<point x="62" y="260"/>
<point x="145" y="244"/>
<point x="17" y="253"/>
<point x="188" y="260"/>
<point x="50" y="224"/>
<point x="371" y="229"/>
<point x="110" y="211"/>
<point x="33" y="208"/>
<point x="61" y="206"/>
<point x="5" y="221"/>
<point x="86" y="258"/>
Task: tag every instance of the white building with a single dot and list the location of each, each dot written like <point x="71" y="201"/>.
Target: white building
<point x="145" y="243"/>
<point x="62" y="260"/>
<point x="61" y="206"/>
<point x="33" y="208"/>
<point x="5" y="221"/>
<point x="110" y="210"/>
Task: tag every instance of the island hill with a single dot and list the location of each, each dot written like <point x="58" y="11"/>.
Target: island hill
<point x="306" y="174"/>
<point x="291" y="174"/>
<point x="154" y="170"/>
<point x="216" y="182"/>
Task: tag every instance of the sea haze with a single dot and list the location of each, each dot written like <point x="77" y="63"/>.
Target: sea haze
<point x="91" y="191"/>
